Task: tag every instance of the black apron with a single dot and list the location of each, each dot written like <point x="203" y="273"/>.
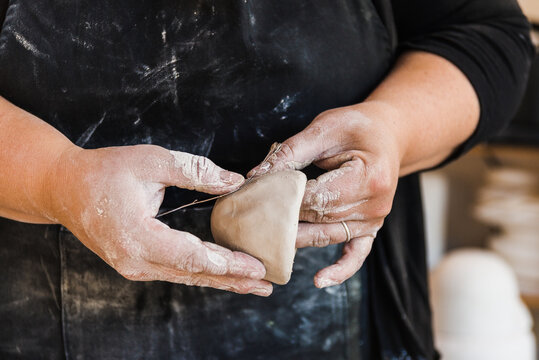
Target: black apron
<point x="222" y="79"/>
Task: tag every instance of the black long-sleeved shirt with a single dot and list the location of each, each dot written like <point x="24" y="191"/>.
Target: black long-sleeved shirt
<point x="225" y="80"/>
<point x="488" y="40"/>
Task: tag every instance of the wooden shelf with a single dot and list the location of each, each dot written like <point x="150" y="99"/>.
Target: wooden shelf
<point x="509" y="155"/>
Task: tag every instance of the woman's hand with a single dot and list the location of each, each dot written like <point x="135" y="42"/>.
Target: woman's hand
<point x="109" y="199"/>
<point x="416" y="117"/>
<point x="363" y="161"/>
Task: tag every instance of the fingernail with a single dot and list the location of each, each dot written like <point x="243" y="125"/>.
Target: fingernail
<point x="261" y="292"/>
<point x="260" y="169"/>
<point x="325" y="282"/>
<point x="231" y="178"/>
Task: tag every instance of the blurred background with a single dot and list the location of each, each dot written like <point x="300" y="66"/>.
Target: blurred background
<point x="489" y="201"/>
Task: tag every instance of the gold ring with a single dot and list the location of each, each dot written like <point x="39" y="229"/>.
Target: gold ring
<point x="348" y="235"/>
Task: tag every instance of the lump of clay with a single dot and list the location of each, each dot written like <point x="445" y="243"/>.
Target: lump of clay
<point x="261" y="219"/>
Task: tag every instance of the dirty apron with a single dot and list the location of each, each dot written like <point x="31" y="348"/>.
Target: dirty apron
<point x="222" y="79"/>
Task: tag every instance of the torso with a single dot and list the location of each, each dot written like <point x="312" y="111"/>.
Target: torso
<point x="212" y="78"/>
<point x="220" y="79"/>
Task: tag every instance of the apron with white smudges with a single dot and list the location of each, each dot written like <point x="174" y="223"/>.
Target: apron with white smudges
<point x="223" y="79"/>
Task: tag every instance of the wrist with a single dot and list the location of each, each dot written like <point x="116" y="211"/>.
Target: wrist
<point x="57" y="180"/>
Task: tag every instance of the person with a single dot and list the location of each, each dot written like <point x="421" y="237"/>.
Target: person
<point x="107" y="104"/>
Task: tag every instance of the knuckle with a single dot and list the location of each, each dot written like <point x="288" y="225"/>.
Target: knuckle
<point x="319" y="216"/>
<point x="200" y="167"/>
<point x="321" y="200"/>
<point x="321" y="239"/>
<point x="382" y="182"/>
<point x="282" y="159"/>
<point x="286" y="152"/>
<point x="241" y="288"/>
<point x="191" y="263"/>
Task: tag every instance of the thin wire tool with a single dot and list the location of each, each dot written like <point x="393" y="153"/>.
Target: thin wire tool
<point x="273" y="150"/>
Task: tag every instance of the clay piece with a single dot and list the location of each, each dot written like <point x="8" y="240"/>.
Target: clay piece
<point x="261" y="219"/>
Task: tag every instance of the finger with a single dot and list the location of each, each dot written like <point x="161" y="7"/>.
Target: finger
<point x="354" y="254"/>
<point x="187" y="171"/>
<point x="322" y="235"/>
<point x="334" y="189"/>
<point x="152" y="272"/>
<point x="227" y="283"/>
<point x="363" y="210"/>
<point x="201" y="174"/>
<point x="185" y="252"/>
<point x="334" y="194"/>
<point x="346" y="194"/>
<point x="313" y="143"/>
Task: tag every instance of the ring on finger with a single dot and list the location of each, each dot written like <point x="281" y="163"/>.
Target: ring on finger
<point x="347" y="230"/>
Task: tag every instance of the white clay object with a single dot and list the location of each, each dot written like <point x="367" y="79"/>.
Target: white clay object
<point x="261" y="219"/>
<point x="477" y="310"/>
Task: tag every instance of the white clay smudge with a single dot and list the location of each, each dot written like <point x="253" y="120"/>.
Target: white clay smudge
<point x="215" y="258"/>
<point x="297" y="165"/>
<point x="322" y="200"/>
<point x="164" y="36"/>
<point x="330" y="176"/>
<point x="264" y="167"/>
<point x="200" y="170"/>
<point x="285" y="103"/>
<point x="191" y="238"/>
<point x="324" y="282"/>
<point x="86" y="136"/>
<point x="29" y="46"/>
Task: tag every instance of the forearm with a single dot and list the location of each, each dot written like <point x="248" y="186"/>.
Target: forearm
<point x="429" y="107"/>
<point x="29" y="150"/>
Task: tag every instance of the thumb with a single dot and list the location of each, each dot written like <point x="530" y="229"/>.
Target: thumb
<point x="297" y="152"/>
<point x="199" y="173"/>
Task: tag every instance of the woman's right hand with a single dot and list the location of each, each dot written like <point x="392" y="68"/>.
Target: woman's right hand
<point x="108" y="198"/>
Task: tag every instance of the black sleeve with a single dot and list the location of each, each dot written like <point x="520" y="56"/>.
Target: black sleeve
<point x="489" y="40"/>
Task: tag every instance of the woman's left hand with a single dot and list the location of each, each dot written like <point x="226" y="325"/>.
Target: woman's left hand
<point x="415" y="119"/>
<point x="362" y="157"/>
